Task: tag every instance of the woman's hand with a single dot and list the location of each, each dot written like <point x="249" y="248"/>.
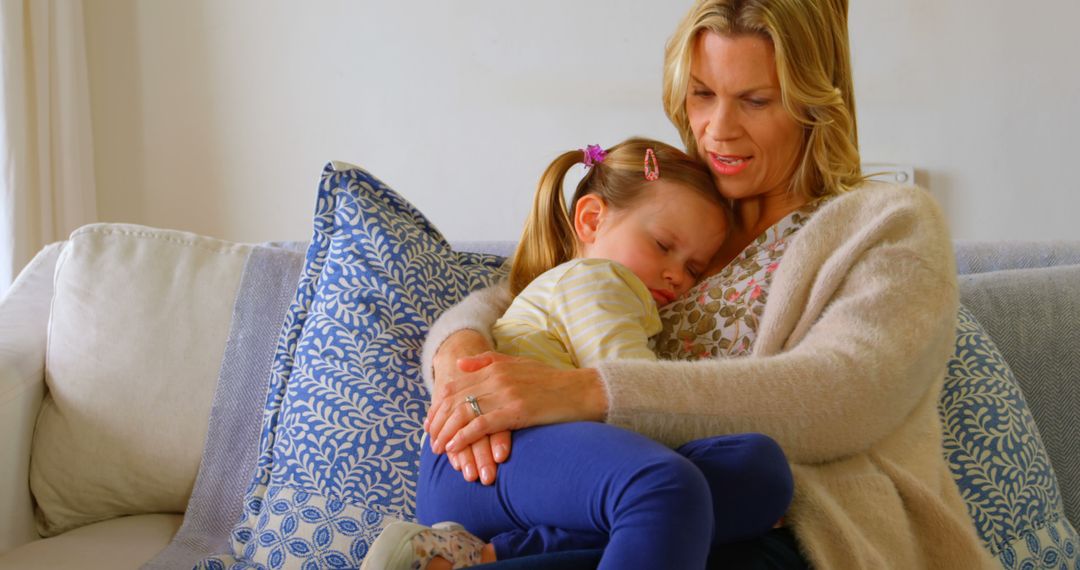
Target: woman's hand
<point x="479" y="460"/>
<point x="512" y="393"/>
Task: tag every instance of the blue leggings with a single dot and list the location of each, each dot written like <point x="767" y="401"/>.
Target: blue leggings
<point x="589" y="485"/>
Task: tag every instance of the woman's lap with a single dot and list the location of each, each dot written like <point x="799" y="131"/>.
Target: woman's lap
<point x="776" y="550"/>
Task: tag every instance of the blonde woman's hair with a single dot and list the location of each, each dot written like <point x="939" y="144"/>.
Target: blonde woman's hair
<point x="813" y="63"/>
<point x="549" y="238"/>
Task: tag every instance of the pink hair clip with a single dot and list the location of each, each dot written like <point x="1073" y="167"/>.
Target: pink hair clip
<point x="594" y="154"/>
<point x="652" y="166"/>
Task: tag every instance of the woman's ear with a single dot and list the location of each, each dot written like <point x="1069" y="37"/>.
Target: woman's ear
<point x="588" y="213"/>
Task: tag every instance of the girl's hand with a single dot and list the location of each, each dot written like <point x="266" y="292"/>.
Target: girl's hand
<point x="512" y="393"/>
<point x="481" y="459"/>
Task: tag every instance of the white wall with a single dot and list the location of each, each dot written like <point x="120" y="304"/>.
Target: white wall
<point x="217" y="117"/>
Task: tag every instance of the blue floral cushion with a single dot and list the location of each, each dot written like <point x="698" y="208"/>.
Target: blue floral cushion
<point x="998" y="460"/>
<point x="339" y="450"/>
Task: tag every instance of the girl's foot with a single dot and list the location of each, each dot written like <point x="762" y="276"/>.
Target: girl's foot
<point x="409" y="546"/>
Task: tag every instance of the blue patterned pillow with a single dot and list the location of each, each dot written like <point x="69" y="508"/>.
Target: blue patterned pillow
<point x="998" y="460"/>
<point x="340" y="442"/>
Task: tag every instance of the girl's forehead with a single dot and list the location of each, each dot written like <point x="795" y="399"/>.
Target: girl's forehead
<point x="683" y="210"/>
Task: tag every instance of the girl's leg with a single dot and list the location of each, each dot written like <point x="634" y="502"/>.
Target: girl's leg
<point x="544" y="539"/>
<point x="750" y="481"/>
<point x="775" y="550"/>
<point x="568" y="486"/>
<point x="567" y="560"/>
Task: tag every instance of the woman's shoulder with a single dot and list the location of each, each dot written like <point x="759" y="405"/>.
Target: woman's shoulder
<point x="903" y="216"/>
<point x="875" y="196"/>
<point x="903" y="209"/>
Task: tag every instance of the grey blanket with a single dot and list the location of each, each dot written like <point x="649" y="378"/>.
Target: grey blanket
<point x="267" y="288"/>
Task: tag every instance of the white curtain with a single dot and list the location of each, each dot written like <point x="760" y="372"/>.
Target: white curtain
<point x="47" y="168"/>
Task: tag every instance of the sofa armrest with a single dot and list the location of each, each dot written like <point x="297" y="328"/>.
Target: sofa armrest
<point x="24" y="320"/>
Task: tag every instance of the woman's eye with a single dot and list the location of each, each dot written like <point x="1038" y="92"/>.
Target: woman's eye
<point x="700" y="92"/>
<point x="757" y="103"/>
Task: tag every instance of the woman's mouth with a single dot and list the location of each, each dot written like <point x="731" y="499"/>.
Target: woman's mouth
<point x="729" y="164"/>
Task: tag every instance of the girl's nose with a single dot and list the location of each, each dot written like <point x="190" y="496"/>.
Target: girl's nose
<point x="675" y="276"/>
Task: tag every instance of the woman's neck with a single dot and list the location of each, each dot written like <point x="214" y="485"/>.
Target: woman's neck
<point x="754" y="215"/>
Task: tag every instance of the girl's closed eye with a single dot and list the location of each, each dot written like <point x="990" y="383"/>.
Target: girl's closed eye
<point x="663" y="246"/>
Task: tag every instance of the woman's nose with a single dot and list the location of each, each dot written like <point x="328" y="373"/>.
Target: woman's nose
<point x="723" y="124"/>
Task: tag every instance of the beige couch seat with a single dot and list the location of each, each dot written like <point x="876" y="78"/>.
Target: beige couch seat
<point x="110" y="349"/>
<point x="125" y="542"/>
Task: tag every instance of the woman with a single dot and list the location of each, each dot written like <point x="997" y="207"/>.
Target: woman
<point x="831" y="308"/>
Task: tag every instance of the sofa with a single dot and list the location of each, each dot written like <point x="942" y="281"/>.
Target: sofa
<point x="113" y="343"/>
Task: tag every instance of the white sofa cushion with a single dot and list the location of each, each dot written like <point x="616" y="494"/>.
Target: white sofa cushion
<point x="126" y="542"/>
<point x="24" y="318"/>
<point x="138" y="326"/>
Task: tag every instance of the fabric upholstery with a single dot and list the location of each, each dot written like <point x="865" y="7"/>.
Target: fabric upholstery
<point x="987" y="256"/>
<point x="124" y="542"/>
<point x="1033" y="315"/>
<point x="266" y="291"/>
<point x="121" y="430"/>
<point x="995" y="454"/>
<point x="339" y="450"/>
<point x="24" y="315"/>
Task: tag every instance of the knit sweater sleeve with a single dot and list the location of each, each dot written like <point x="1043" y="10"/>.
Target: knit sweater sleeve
<point x="477" y="312"/>
<point x="856" y="334"/>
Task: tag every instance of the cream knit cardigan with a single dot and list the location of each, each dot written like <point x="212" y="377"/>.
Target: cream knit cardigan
<point x="845" y="374"/>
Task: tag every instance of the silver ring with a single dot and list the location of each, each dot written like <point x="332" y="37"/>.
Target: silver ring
<point x="474" y="405"/>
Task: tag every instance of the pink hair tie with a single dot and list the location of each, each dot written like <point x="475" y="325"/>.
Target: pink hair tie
<point x="652" y="166"/>
<point x="594" y="154"/>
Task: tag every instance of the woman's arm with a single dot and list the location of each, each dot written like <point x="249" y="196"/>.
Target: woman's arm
<point x="514" y="393"/>
<point x="476" y="313"/>
<point x="856" y="335"/>
<point x="857" y="332"/>
<point x="464" y="331"/>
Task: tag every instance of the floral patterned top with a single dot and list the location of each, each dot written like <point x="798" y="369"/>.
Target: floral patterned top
<point x="720" y="315"/>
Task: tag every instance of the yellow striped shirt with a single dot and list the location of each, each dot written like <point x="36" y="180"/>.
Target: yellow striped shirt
<point x="578" y="314"/>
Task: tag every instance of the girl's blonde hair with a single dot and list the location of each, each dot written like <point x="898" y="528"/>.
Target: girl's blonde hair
<point x="813" y="63"/>
<point x="549" y="238"/>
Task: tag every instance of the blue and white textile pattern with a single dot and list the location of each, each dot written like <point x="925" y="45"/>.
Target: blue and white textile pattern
<point x="998" y="460"/>
<point x="340" y="442"/>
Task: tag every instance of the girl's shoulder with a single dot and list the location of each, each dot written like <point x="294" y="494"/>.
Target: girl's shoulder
<point x="602" y="271"/>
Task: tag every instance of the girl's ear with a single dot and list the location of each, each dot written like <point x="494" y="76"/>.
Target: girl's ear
<point x="588" y="213"/>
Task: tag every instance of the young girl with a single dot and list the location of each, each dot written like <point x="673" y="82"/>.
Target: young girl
<point x="588" y="282"/>
<point x="646" y="221"/>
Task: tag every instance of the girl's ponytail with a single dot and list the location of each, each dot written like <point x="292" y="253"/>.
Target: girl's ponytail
<point x="549" y="238"/>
